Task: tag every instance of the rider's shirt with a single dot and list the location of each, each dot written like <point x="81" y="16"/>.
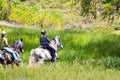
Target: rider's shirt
<point x="44" y="40"/>
<point x="4" y="42"/>
<point x="4" y="46"/>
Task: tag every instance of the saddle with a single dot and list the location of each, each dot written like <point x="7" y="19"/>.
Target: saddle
<point x="43" y="47"/>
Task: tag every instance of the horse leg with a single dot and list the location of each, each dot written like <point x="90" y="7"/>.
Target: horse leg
<point x="17" y="64"/>
<point x="12" y="65"/>
<point x="31" y="60"/>
<point x="4" y="66"/>
<point x="40" y="61"/>
<point x="56" y="56"/>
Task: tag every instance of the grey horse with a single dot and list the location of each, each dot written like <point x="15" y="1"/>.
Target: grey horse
<point x="39" y="55"/>
<point x="6" y="58"/>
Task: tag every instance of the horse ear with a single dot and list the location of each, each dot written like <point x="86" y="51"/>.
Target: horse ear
<point x="53" y="38"/>
<point x="21" y="39"/>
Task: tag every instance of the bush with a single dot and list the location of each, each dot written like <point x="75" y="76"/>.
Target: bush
<point x="111" y="62"/>
<point x="31" y="15"/>
<point x="4" y="9"/>
<point x="117" y="27"/>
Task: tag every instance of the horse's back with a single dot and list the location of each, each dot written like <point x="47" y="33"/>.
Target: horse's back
<point x="44" y="53"/>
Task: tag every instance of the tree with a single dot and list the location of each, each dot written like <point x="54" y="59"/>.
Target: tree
<point x="111" y="10"/>
<point x="5" y="9"/>
<point x="88" y="8"/>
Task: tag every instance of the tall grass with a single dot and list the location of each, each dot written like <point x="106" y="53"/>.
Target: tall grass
<point x="85" y="55"/>
<point x="60" y="71"/>
<point x="77" y="44"/>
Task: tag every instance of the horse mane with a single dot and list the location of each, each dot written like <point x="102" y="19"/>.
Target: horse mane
<point x="53" y="40"/>
<point x="16" y="43"/>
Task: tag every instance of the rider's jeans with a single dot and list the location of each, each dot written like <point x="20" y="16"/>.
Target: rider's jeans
<point x="11" y="52"/>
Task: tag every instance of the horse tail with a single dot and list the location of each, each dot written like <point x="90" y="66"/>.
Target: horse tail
<point x="31" y="57"/>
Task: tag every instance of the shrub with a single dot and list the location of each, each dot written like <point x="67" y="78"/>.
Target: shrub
<point x="4" y="9"/>
<point x="111" y="62"/>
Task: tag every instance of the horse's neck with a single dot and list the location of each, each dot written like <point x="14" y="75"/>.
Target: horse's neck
<point x="53" y="45"/>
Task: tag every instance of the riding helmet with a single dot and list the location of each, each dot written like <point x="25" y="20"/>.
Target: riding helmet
<point x="3" y="33"/>
<point x="43" y="32"/>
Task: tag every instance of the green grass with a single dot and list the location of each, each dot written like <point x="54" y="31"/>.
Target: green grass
<point x="78" y="44"/>
<point x="86" y="55"/>
<point x="60" y="71"/>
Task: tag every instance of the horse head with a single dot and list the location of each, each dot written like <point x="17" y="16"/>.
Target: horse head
<point x="56" y="43"/>
<point x="18" y="45"/>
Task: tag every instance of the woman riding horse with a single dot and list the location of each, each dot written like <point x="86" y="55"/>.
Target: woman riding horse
<point x="39" y="54"/>
<point x="6" y="58"/>
<point x="6" y="47"/>
<point x="45" y="44"/>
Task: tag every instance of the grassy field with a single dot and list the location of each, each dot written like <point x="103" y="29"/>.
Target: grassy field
<point x="60" y="71"/>
<point x="87" y="55"/>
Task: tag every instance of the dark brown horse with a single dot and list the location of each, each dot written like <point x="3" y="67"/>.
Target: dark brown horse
<point x="6" y="58"/>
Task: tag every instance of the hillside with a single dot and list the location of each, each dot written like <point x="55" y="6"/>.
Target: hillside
<point x="55" y="14"/>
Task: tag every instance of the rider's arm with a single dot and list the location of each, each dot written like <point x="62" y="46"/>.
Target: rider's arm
<point x="6" y="42"/>
<point x="41" y="39"/>
<point x="47" y="39"/>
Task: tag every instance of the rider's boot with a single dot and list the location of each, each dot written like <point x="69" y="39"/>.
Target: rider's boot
<point x="53" y="59"/>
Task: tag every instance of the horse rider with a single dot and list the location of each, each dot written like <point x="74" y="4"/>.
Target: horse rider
<point x="45" y="44"/>
<point x="5" y="46"/>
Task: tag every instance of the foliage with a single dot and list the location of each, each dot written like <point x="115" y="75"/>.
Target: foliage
<point x="88" y="8"/>
<point x="108" y="11"/>
<point x="111" y="9"/>
<point x="83" y="45"/>
<point x="4" y="9"/>
<point x="43" y="13"/>
<point x="111" y="62"/>
<point x="84" y="53"/>
<point x="31" y="15"/>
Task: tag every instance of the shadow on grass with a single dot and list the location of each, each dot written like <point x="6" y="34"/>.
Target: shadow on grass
<point x="108" y="46"/>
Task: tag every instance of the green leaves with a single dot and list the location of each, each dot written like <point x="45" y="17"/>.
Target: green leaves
<point x="57" y="13"/>
<point x="110" y="1"/>
<point x="108" y="11"/>
<point x="110" y="8"/>
<point x="4" y="9"/>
